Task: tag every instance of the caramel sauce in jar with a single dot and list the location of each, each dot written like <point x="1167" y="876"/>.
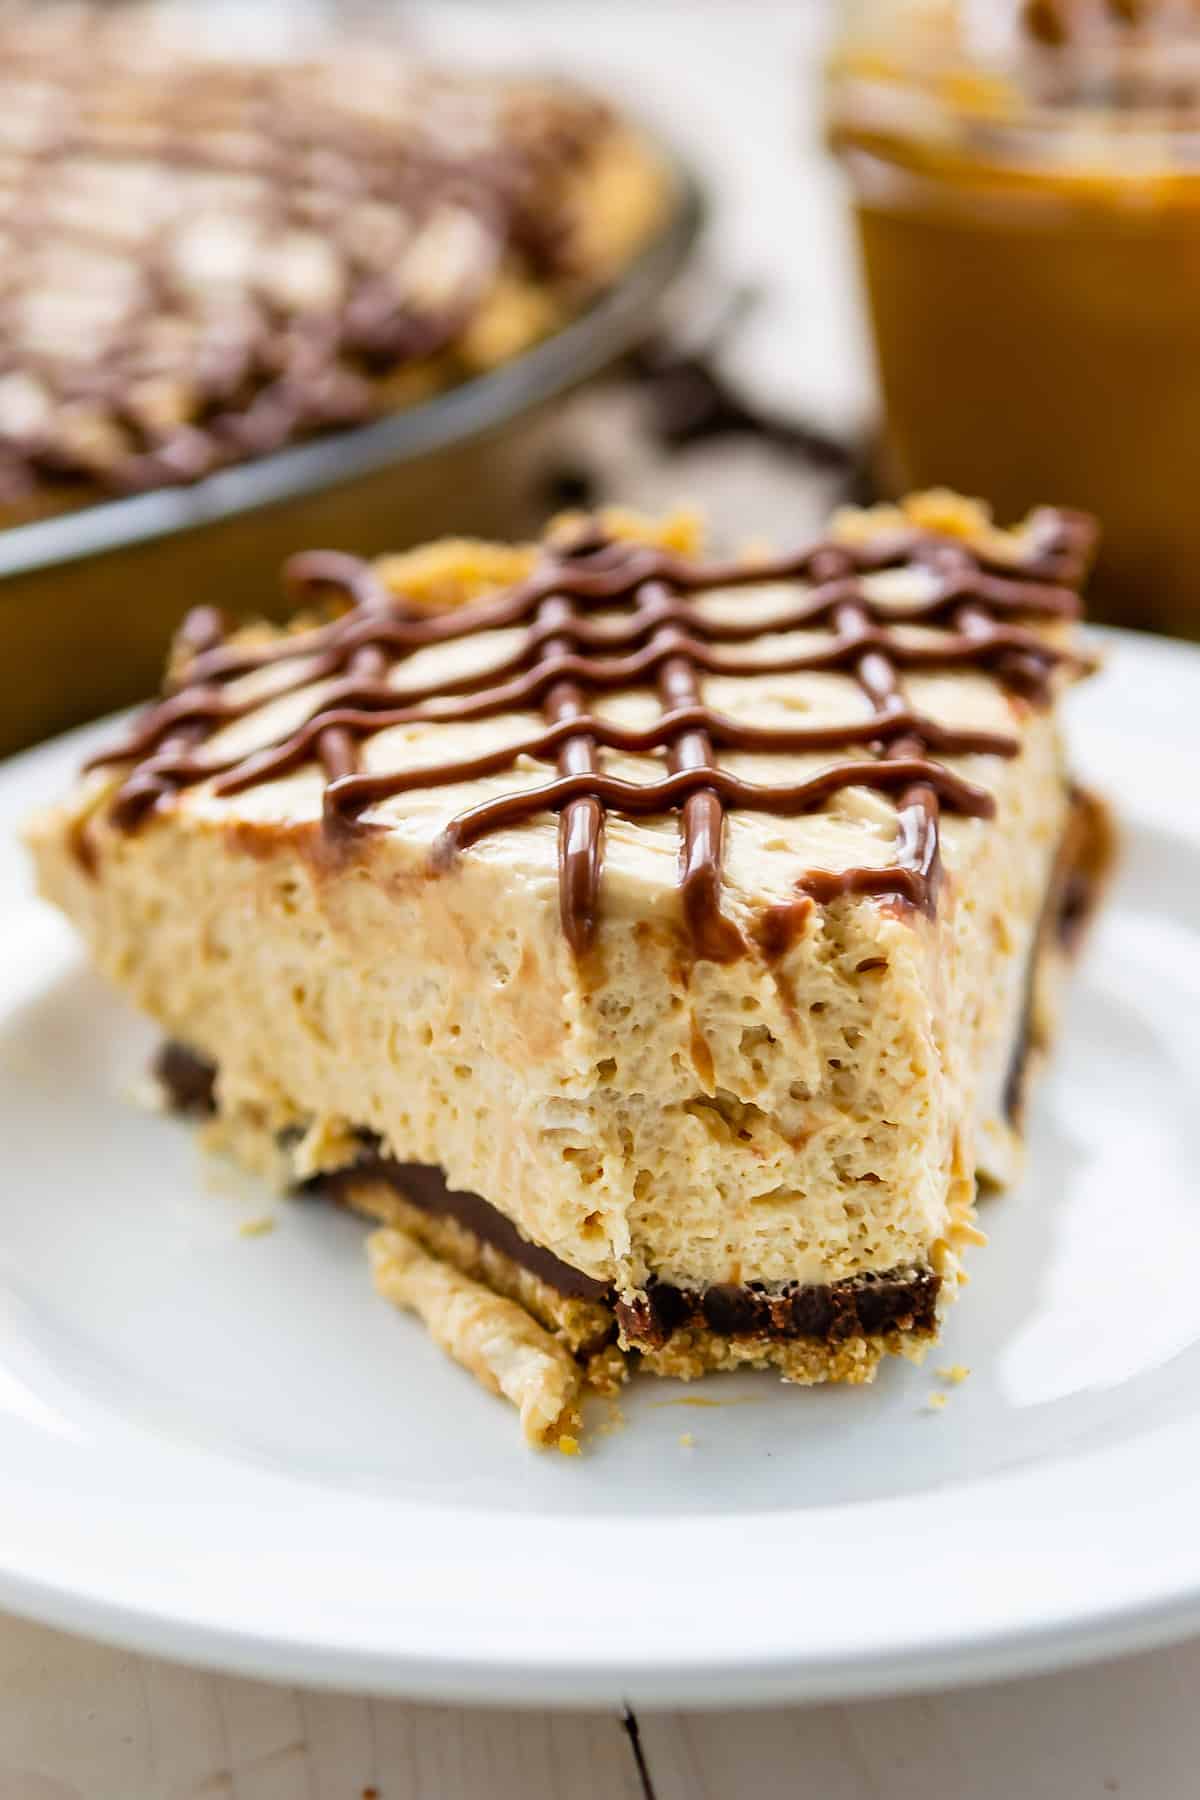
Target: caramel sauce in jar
<point x="1026" y="186"/>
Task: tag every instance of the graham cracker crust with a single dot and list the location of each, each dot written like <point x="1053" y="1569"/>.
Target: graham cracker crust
<point x="586" y="1328"/>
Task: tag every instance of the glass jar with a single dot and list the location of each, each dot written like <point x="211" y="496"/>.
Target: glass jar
<point x="1026" y="183"/>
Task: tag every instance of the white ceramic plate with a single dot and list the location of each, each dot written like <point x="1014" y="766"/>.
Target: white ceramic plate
<point x="221" y="1446"/>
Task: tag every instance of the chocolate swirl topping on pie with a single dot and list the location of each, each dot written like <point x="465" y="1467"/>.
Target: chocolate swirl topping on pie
<point x="652" y="636"/>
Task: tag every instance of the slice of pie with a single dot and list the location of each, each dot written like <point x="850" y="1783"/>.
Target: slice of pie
<point x="654" y="945"/>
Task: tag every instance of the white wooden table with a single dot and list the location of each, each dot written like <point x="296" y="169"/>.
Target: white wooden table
<point x="79" y="1721"/>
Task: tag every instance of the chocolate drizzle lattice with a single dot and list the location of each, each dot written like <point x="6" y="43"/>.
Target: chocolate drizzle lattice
<point x="653" y="634"/>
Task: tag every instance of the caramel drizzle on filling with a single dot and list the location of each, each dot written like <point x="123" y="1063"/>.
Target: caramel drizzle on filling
<point x="565" y="656"/>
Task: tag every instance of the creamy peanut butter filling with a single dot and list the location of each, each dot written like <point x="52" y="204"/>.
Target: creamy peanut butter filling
<point x="809" y="1105"/>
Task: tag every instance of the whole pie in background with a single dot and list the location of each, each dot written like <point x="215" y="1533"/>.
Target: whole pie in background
<point x="206" y="260"/>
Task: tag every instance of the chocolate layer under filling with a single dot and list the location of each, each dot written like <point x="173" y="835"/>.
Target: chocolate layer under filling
<point x="424" y="1186"/>
<point x="856" y="1307"/>
<point x="188" y="1081"/>
<point x="859" y="1306"/>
